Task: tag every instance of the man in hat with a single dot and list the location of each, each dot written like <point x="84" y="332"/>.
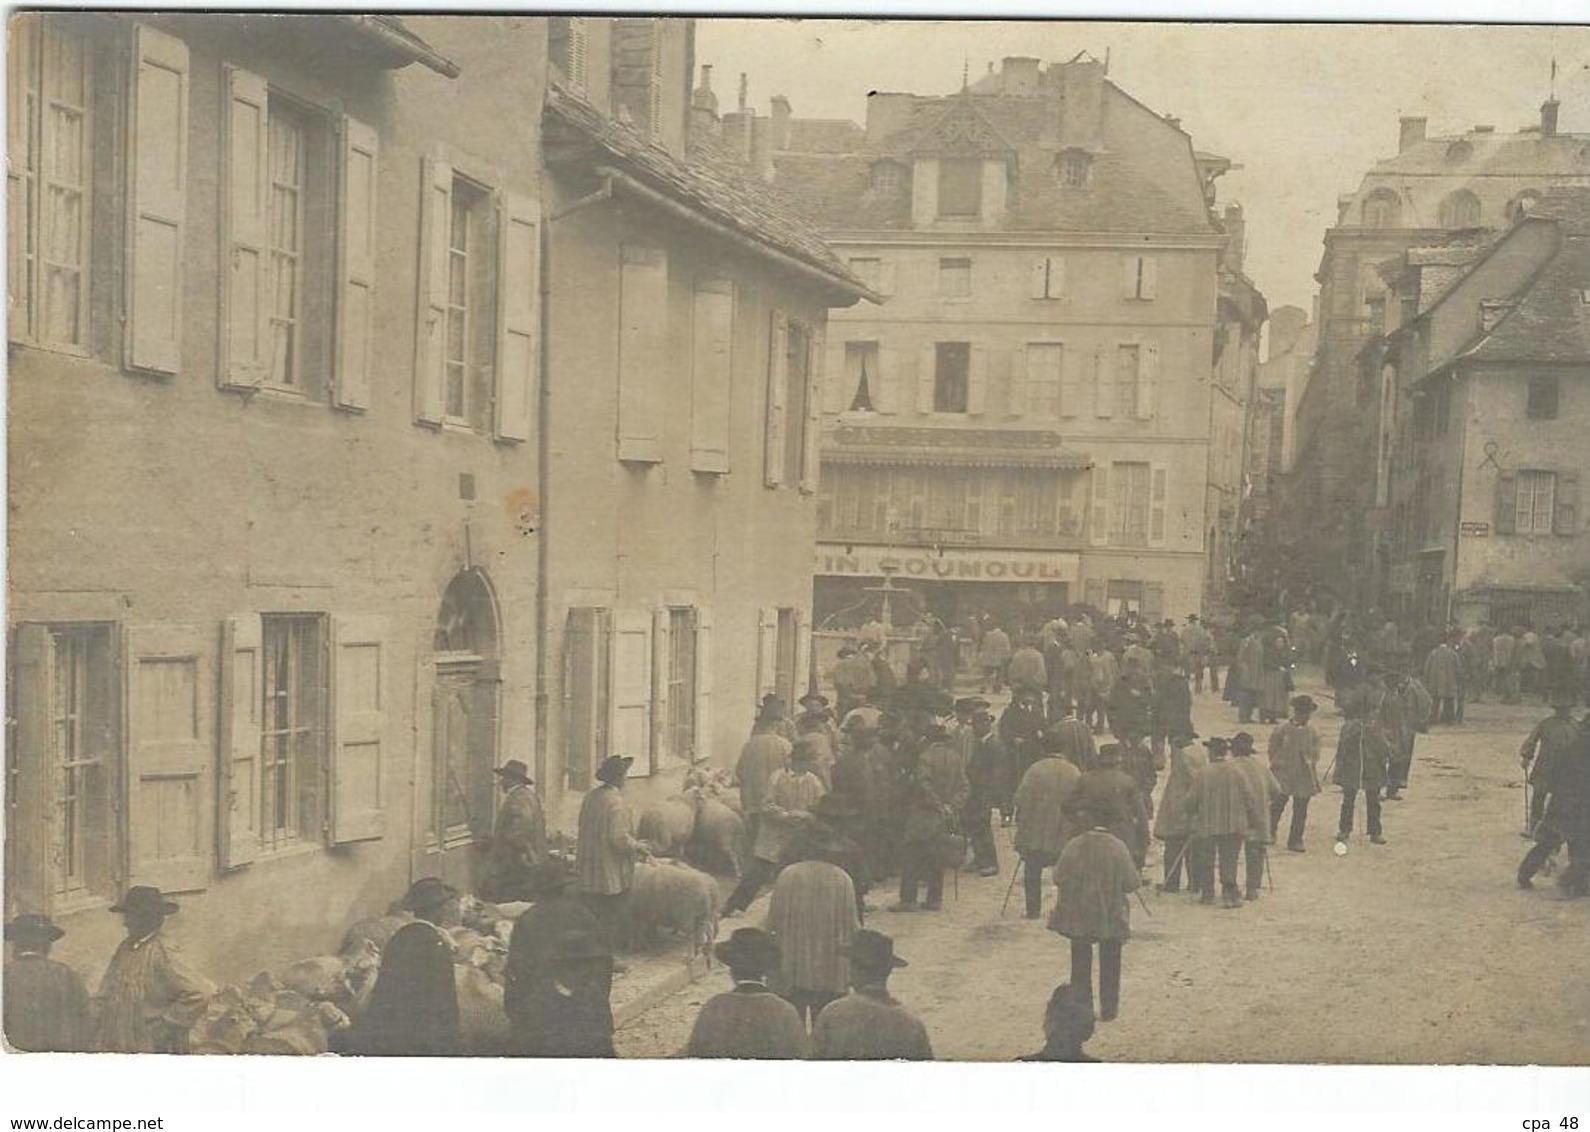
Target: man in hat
<point x="812" y="915"/>
<point x="1223" y="811"/>
<point x="1171" y="713"/>
<point x="1073" y="739"/>
<point x="1067" y="1024"/>
<point x="1027" y="669"/>
<point x="815" y="725"/>
<point x="934" y="796"/>
<point x="1095" y="875"/>
<point x="993" y="657"/>
<point x="413" y="1007"/>
<point x="1061" y="661"/>
<point x="868" y="1024"/>
<point x="1405" y="712"/>
<point x="854" y="798"/>
<point x="577" y="1016"/>
<point x="987" y="769"/>
<point x="1108" y="790"/>
<point x="854" y="680"/>
<point x="884" y="681"/>
<point x="765" y="753"/>
<point x="1443" y="679"/>
<point x="1022" y="730"/>
<point x="750" y="1021"/>
<point x="1264" y="788"/>
<point x="1172" y="822"/>
<point x="1103" y="671"/>
<point x="1567" y="819"/>
<point x="774" y="710"/>
<point x="1138" y="760"/>
<point x="1042" y="824"/>
<point x="519" y="837"/>
<point x="1363" y="758"/>
<point x="606" y="848"/>
<point x="1198" y="646"/>
<point x="786" y="807"/>
<point x="46" y="1004"/>
<point x="1247" y="675"/>
<point x="1131" y="704"/>
<point x="1550" y="742"/>
<point x="149" y="998"/>
<point x="531" y="995"/>
<point x="1294" y="760"/>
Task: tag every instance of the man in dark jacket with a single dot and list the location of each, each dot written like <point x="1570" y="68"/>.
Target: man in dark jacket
<point x="46" y="1004"/>
<point x="413" y="1008"/>
<point x="1566" y="819"/>
<point x="1094" y="876"/>
<point x="1131" y="704"/>
<point x="519" y="836"/>
<point x="986" y="772"/>
<point x="1172" y="714"/>
<point x="1021" y="728"/>
<point x="1363" y="760"/>
<point x="1108" y="790"/>
<point x="935" y="793"/>
<point x="750" y="1021"/>
<point x="536" y="995"/>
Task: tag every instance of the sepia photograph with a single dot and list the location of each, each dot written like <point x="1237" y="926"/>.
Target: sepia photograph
<point x="647" y="536"/>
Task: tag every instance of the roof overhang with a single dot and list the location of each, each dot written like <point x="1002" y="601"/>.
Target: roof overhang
<point x="393" y="45"/>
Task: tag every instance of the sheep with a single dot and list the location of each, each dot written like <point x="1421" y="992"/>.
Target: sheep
<point x="666" y="826"/>
<point x="321" y="978"/>
<point x="303" y="1034"/>
<point x="673" y="896"/>
<point x="482" y="1024"/>
<point x="719" y="838"/>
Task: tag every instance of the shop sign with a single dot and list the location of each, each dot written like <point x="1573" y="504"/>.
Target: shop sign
<point x="950" y="564"/>
<point x="1475" y="530"/>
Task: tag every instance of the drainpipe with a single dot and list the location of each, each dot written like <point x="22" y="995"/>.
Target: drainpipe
<point x="1457" y="512"/>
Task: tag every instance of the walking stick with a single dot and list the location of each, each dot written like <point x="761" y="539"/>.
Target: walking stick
<point x="1529" y="830"/>
<point x="1269" y="877"/>
<point x="1011" y="887"/>
<point x="1138" y="892"/>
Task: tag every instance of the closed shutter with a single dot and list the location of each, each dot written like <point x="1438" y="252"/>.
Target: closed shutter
<point x="701" y="749"/>
<point x="1057" y="277"/>
<point x="1099" y="522"/>
<point x="168" y="736"/>
<point x="1506" y="503"/>
<point x="805" y="679"/>
<point x="926" y="377"/>
<point x="516" y="338"/>
<point x="1129" y="277"/>
<point x="977" y="379"/>
<point x="430" y="353"/>
<point x="579" y="52"/>
<point x="766" y="652"/>
<point x="585" y="711"/>
<point x="1103" y="387"/>
<point x="356" y="257"/>
<point x="811" y="437"/>
<point x="1153" y="602"/>
<point x="642" y="351"/>
<point x="712" y="385"/>
<point x="30" y="794"/>
<point x="241" y="701"/>
<point x="886" y="395"/>
<point x="839" y="388"/>
<point x="661" y="669"/>
<point x="629" y="729"/>
<point x="358" y="754"/>
<point x="1039" y="284"/>
<point x="1016" y="389"/>
<point x="247" y="293"/>
<point x="1150" y="285"/>
<point x="777" y="398"/>
<point x="1071" y="386"/>
<point x="158" y="180"/>
<point x="1566" y="520"/>
<point x="1156" y="505"/>
<point x="1148" y="381"/>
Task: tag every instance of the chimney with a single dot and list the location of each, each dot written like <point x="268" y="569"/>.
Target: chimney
<point x="704" y="104"/>
<point x="1412" y="133"/>
<point x="737" y="131"/>
<point x="887" y="113"/>
<point x="1548" y="117"/>
<point x="1236" y="237"/>
<point x="1018" y="76"/>
<point x="1082" y="104"/>
<point x="762" y="148"/>
<point x="781" y="117"/>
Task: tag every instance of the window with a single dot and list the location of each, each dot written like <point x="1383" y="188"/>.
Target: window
<point x="293" y="718"/>
<point x="798" y="437"/>
<point x="470" y="301"/>
<point x="861" y="377"/>
<point x="955" y="278"/>
<point x="1129" y="504"/>
<point x="1460" y="209"/>
<point x="1543" y="393"/>
<point x="960" y="187"/>
<point x="712" y="375"/>
<point x="1048" y="277"/>
<point x="1459" y="151"/>
<point x="1382" y="209"/>
<point x="567" y="41"/>
<point x="1139" y="277"/>
<point x="951" y="376"/>
<point x="1045" y="373"/>
<point x="1128" y="372"/>
<point x="680" y="719"/>
<point x="1074" y="165"/>
<point x="289" y="163"/>
<point x="1536" y="503"/>
<point x="888" y="177"/>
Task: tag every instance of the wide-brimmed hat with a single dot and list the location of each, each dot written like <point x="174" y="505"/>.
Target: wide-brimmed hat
<point x="549" y="875"/>
<point x="1242" y="741"/>
<point x="427" y="893"/>
<point x="1303" y="703"/>
<point x="142" y="900"/>
<point x="774" y="700"/>
<point x="33" y="927"/>
<point x="614" y="768"/>
<point x="751" y="951"/>
<point x="1183" y="738"/>
<point x="514" y="770"/>
<point x="813" y="700"/>
<point x="966" y="705"/>
<point x="873" y="951"/>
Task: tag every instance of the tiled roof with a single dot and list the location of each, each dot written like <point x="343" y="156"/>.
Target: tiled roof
<point x="708" y="181"/>
<point x="1551" y="322"/>
<point x="1517" y="154"/>
<point x="824" y="135"/>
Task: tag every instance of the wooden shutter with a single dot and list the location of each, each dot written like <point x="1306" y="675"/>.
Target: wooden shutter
<point x="238" y="768"/>
<point x="805" y="681"/>
<point x="1057" y="276"/>
<point x="811" y="436"/>
<point x="1566" y="520"/>
<point x="1153" y="602"/>
<point x="30" y="794"/>
<point x="579" y="52"/>
<point x="1150" y="288"/>
<point x="977" y="379"/>
<point x="1071" y="390"/>
<point x="1021" y="360"/>
<point x="777" y="398"/>
<point x="516" y="328"/>
<point x="886" y="394"/>
<point x="1156" y="505"/>
<point x="1099" y="522"/>
<point x="702" y="747"/>
<point x="629" y="727"/>
<point x="926" y="376"/>
<point x="712" y="383"/>
<point x="766" y="652"/>
<point x="359" y="774"/>
<point x="246" y="295"/>
<point x="585" y="716"/>
<point x="839" y="388"/>
<point x="1506" y="503"/>
<point x="1103" y="386"/>
<point x="1129" y="277"/>
<point x="1039" y="284"/>
<point x="661" y="670"/>
<point x="1148" y="380"/>
<point x="430" y="350"/>
<point x="157" y="165"/>
<point x="356" y="259"/>
<point x="643" y="353"/>
<point x="168" y="735"/>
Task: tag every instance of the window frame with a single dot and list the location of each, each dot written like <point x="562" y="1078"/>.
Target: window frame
<point x="304" y="791"/>
<point x="1074" y="168"/>
<point x="1529" y="485"/>
<point x="1126" y="502"/>
<point x="681" y="728"/>
<point x="941" y="352"/>
<point x="955" y="270"/>
<point x="948" y="169"/>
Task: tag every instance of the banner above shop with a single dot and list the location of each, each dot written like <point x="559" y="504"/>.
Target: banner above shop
<point x="951" y="564"/>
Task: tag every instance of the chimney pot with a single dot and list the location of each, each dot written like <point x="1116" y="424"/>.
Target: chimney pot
<point x="1412" y="133"/>
<point x="1548" y="117"/>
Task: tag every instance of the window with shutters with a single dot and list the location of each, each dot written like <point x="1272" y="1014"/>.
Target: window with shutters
<point x="470" y="301"/>
<point x="1128" y="372"/>
<point x="1140" y="277"/>
<point x="951" y="376"/>
<point x="861" y="377"/>
<point x="1048" y="277"/>
<point x="680" y="717"/>
<point x="300" y="240"/>
<point x="293" y="729"/>
<point x="1542" y="398"/>
<point x="1536" y="503"/>
<point x="960" y="187"/>
<point x="1129" y="503"/>
<point x="1045" y="373"/>
<point x="1074" y="167"/>
<point x="568" y="40"/>
<point x="955" y="278"/>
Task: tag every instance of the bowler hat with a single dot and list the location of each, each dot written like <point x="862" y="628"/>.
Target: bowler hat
<point x="1303" y="703"/>
<point x="873" y="951"/>
<point x="750" y="951"/>
<point x="141" y="899"/>
<point x="1242" y="741"/>
<point x="33" y="927"/>
<point x="613" y="769"/>
<point x="427" y="893"/>
<point x="514" y="770"/>
<point x="774" y="700"/>
<point x="813" y="700"/>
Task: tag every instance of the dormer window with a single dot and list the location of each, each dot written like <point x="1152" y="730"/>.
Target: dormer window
<point x="1074" y="167"/>
<point x="1460" y="209"/>
<point x="960" y="187"/>
<point x="887" y="177"/>
<point x="1459" y="151"/>
<point x="1382" y="209"/>
<point x="1522" y="205"/>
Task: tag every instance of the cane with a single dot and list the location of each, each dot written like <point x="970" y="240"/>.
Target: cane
<point x="1138" y="892"/>
<point x="1176" y="864"/>
<point x="1011" y="887"/>
<point x="1269" y="877"/>
<point x="1529" y="830"/>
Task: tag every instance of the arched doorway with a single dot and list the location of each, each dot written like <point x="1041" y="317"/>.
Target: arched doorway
<point x="465" y="712"/>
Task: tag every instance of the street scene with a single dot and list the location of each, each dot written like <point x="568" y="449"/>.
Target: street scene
<point x="636" y="536"/>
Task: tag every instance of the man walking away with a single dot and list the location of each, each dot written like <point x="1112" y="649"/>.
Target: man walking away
<point x="1172" y="823"/>
<point x="1363" y="756"/>
<point x="1567" y="819"/>
<point x="1548" y="745"/>
<point x="993" y="657"/>
<point x="750" y="1021"/>
<point x="536" y="990"/>
<point x="1107" y="789"/>
<point x="1094" y="876"/>
<point x="1294" y="760"/>
<point x="1264" y="789"/>
<point x="868" y="1024"/>
<point x="1406" y="702"/>
<point x="413" y="1007"/>
<point x="1224" y="812"/>
<point x="1041" y="822"/>
<point x="935" y="794"/>
<point x="1443" y="679"/>
<point x="1027" y="669"/>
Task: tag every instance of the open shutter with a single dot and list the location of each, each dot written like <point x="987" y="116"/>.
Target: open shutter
<point x="1099" y="522"/>
<point x="516" y="338"/>
<point x="1038" y="287"/>
<point x="356" y="240"/>
<point x="712" y="384"/>
<point x="702" y="748"/>
<point x="1153" y="602"/>
<point x="1016" y="388"/>
<point x="1150" y="286"/>
<point x="642" y="348"/>
<point x="1057" y="276"/>
<point x="777" y="398"/>
<point x="168" y="735"/>
<point x="661" y="670"/>
<point x="811" y="437"/>
<point x="1103" y="387"/>
<point x="886" y="277"/>
<point x="430" y="354"/>
<point x="1506" y="503"/>
<point x="1156" y="505"/>
<point x="766" y="652"/>
<point x="158" y="179"/>
<point x="838" y="388"/>
<point x="926" y="376"/>
<point x="886" y="394"/>
<point x="587" y="694"/>
<point x="1129" y="276"/>
<point x="30" y="795"/>
<point x="359" y="772"/>
<point x="241" y="700"/>
<point x="629" y="729"/>
<point x="1148" y="380"/>
<point x="247" y="297"/>
<point x="805" y="679"/>
<point x="1566" y="520"/>
<point x="977" y="379"/>
<point x="1071" y="387"/>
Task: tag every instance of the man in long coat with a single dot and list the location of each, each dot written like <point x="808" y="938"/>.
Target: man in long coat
<point x="1223" y="811"/>
<point x="765" y="753"/>
<point x="1403" y="715"/>
<point x="1567" y="819"/>
<point x="1094" y="876"/>
<point x="1504" y="666"/>
<point x="1041" y="822"/>
<point x="1107" y="789"/>
<point x="1172" y="822"/>
<point x="1264" y="788"/>
<point x="1363" y="759"/>
<point x="750" y="1021"/>
<point x="149" y="998"/>
<point x="536" y="997"/>
<point x="1247" y="675"/>
<point x="606" y="848"/>
<point x="1550" y="742"/>
<point x="413" y="1007"/>
<point x="1276" y="680"/>
<point x="993" y="657"/>
<point x="1027" y="670"/>
<point x="518" y="838"/>
<point x="1172" y="711"/>
<point x="1060" y="662"/>
<point x="868" y="1024"/>
<point x="46" y="1004"/>
<point x="1294" y="760"/>
<point x="1073" y="738"/>
<point x="1443" y="679"/>
<point x="1131" y="704"/>
<point x="1022" y="728"/>
<point x="812" y="916"/>
<point x="1198" y="646"/>
<point x="852" y="797"/>
<point x="935" y="794"/>
<point x="987" y="772"/>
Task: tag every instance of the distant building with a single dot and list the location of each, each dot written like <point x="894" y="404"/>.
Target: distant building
<point x="1025" y="422"/>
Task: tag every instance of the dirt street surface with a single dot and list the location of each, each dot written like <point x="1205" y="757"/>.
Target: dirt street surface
<point x="1422" y="950"/>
